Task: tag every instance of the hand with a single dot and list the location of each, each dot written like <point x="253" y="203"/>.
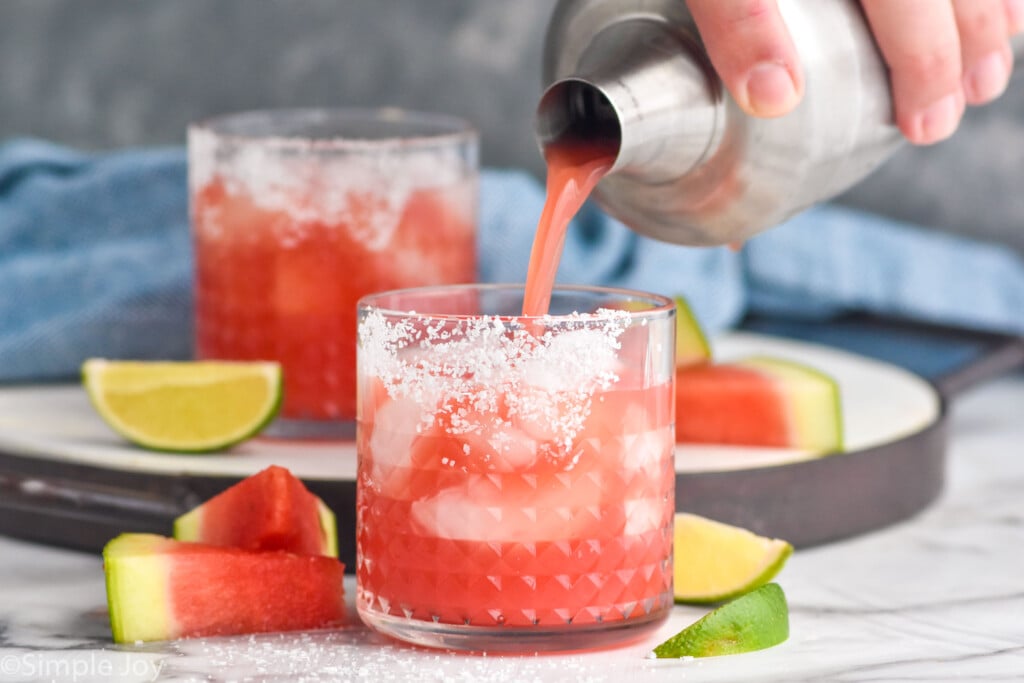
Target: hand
<point x="942" y="55"/>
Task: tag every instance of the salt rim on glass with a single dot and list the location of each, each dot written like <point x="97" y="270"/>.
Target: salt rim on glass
<point x="547" y="378"/>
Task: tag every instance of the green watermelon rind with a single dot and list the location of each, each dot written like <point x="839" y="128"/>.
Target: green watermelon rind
<point x="110" y="574"/>
<point x="187" y="526"/>
<point x="120" y="607"/>
<point x="825" y="380"/>
<point x="692" y="345"/>
<point x="328" y="527"/>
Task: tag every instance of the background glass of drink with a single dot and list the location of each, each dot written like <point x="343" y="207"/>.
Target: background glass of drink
<point x="515" y="483"/>
<point x="298" y="213"/>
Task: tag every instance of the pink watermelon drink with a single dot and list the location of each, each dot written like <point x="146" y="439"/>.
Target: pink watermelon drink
<point x="297" y="214"/>
<point x="515" y="474"/>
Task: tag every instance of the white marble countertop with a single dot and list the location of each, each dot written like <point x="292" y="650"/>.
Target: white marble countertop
<point x="939" y="597"/>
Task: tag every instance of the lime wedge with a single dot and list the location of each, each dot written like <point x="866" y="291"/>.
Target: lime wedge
<point x="188" y="407"/>
<point x="755" y="621"/>
<point x="714" y="562"/>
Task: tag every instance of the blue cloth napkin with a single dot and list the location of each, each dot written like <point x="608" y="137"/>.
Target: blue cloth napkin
<point x="95" y="260"/>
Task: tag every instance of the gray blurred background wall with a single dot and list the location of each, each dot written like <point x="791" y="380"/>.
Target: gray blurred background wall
<point x="107" y="73"/>
<point x="113" y="73"/>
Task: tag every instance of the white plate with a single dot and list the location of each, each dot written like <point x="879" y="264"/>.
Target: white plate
<point x="881" y="403"/>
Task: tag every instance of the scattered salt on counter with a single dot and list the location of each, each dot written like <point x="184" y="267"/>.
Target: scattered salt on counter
<point x="357" y="654"/>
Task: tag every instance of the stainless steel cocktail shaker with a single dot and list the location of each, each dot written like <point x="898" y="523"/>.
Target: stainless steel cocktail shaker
<point x="692" y="167"/>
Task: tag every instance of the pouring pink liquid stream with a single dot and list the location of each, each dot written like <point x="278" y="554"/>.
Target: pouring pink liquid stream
<point x="574" y="170"/>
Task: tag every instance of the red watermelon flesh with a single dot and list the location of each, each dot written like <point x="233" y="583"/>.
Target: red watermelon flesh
<point x="162" y="589"/>
<point x="271" y="510"/>
<point x="763" y="401"/>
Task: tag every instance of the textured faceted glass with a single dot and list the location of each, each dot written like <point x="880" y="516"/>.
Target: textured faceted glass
<point x="297" y="214"/>
<point x="516" y="479"/>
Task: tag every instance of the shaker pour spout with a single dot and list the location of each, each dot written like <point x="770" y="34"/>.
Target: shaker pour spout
<point x="576" y="110"/>
<point x="639" y="89"/>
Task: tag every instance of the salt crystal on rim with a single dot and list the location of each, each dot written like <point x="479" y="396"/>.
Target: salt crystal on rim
<point x="363" y="191"/>
<point x="465" y="368"/>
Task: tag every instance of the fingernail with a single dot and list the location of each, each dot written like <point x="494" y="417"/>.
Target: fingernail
<point x="987" y="79"/>
<point x="1015" y="15"/>
<point x="770" y="90"/>
<point x="938" y="121"/>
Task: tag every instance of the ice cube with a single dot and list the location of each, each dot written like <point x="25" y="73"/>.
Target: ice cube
<point x="643" y="515"/>
<point x="540" y="511"/>
<point x="396" y="422"/>
<point x="512" y="449"/>
<point x="647" y="450"/>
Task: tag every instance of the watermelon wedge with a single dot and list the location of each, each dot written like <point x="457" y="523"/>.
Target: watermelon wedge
<point x="692" y="346"/>
<point x="271" y="510"/>
<point x="162" y="589"/>
<point x="766" y="402"/>
<point x="759" y="402"/>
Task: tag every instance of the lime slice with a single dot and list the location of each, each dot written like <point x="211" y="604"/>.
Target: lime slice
<point x="184" y="407"/>
<point x="715" y="562"/>
<point x="755" y="621"/>
<point x="691" y="345"/>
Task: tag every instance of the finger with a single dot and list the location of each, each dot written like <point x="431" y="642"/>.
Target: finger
<point x="1014" y="16"/>
<point x="751" y="50"/>
<point x="984" y="50"/>
<point x="919" y="41"/>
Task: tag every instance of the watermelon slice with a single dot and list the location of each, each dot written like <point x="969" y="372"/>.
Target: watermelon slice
<point x="161" y="589"/>
<point x="271" y="510"/>
<point x="762" y="401"/>
<point x="758" y="402"/>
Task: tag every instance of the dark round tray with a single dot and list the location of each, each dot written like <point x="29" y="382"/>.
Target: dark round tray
<point x="66" y="480"/>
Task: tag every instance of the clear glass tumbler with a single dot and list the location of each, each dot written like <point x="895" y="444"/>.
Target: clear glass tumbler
<point x="297" y="214"/>
<point x="515" y="484"/>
